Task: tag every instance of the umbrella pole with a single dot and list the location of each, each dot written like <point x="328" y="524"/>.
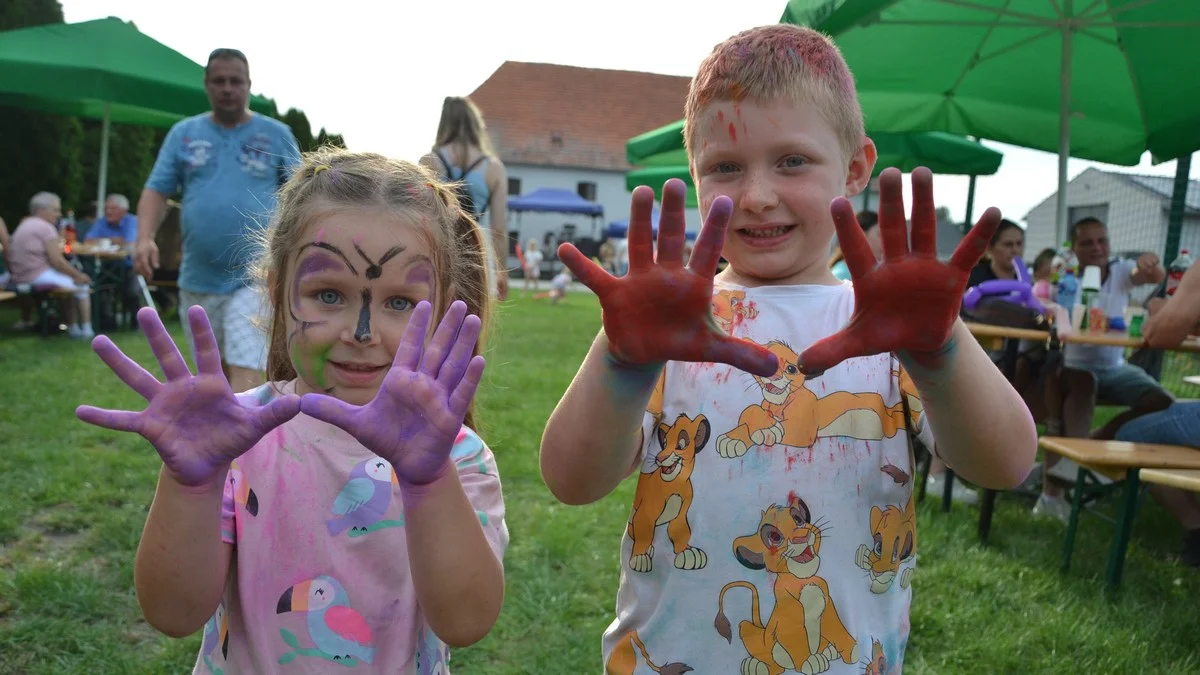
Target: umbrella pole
<point x="103" y="182"/>
<point x="1064" y="127"/>
<point x="970" y="206"/>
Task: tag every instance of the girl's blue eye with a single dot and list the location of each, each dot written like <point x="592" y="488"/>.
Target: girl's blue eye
<point x="400" y="304"/>
<point x="328" y="297"/>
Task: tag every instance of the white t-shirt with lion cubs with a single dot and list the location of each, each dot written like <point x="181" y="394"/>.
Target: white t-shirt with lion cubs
<point x="772" y="529"/>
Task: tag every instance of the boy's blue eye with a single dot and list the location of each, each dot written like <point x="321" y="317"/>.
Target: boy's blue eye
<point x="400" y="304"/>
<point x="328" y="297"/>
<point x="725" y="167"/>
<point x="794" y="162"/>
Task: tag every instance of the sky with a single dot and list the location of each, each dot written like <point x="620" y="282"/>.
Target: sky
<point x="376" y="71"/>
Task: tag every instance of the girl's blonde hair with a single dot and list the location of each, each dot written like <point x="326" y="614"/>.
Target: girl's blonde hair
<point x="463" y="127"/>
<point x="332" y="179"/>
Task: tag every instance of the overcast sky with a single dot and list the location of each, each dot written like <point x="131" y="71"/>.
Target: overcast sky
<point x="376" y="71"/>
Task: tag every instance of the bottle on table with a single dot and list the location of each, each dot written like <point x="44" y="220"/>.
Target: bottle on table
<point x="1175" y="272"/>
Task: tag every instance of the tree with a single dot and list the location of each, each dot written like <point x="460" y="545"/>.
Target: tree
<point x="131" y="152"/>
<point x="335" y="140"/>
<point x="301" y="129"/>
<point x="42" y="152"/>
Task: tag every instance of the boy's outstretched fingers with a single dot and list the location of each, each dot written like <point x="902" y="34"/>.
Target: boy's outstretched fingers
<point x="971" y="248"/>
<point x="585" y="269"/>
<point x="856" y="250"/>
<point x="707" y="252"/>
<point x="672" y="224"/>
<point x="828" y="352"/>
<point x="743" y="355"/>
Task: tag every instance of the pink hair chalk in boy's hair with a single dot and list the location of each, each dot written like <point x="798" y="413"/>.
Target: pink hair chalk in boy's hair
<point x="768" y="63"/>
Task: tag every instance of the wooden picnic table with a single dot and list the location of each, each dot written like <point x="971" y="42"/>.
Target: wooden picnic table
<point x="1123" y="462"/>
<point x="1111" y="338"/>
<point x="993" y="337"/>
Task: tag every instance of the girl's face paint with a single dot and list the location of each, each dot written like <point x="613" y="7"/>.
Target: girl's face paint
<point x="351" y="294"/>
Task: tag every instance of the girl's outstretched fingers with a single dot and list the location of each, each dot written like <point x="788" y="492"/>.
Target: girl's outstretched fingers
<point x="277" y="412"/>
<point x="329" y="410"/>
<point x="117" y="420"/>
<point x="164" y="348"/>
<point x="208" y="354"/>
<point x="443" y="339"/>
<point x="128" y="370"/>
<point x="412" y="343"/>
<point x="459" y="358"/>
<point x="464" y="393"/>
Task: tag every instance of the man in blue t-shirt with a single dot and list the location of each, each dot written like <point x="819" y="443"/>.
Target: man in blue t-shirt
<point x="117" y="224"/>
<point x="228" y="163"/>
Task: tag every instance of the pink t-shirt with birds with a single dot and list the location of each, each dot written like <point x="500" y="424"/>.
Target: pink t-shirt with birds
<point x="319" y="579"/>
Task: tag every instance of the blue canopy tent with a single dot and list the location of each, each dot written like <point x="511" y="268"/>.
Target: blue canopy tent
<point x="618" y="229"/>
<point x="554" y="200"/>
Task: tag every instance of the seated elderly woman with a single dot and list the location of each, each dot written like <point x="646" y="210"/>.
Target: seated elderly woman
<point x="37" y="259"/>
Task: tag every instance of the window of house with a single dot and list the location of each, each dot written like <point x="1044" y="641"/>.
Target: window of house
<point x="587" y="190"/>
<point x="514" y="187"/>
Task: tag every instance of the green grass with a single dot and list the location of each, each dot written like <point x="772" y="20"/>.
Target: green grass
<point x="73" y="499"/>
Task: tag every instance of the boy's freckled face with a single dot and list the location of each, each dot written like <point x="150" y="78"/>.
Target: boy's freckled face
<point x="782" y="170"/>
<point x="350" y="294"/>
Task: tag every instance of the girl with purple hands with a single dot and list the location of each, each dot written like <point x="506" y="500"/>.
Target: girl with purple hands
<point x="346" y="513"/>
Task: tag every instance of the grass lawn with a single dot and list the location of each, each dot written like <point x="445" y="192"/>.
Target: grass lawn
<point x="73" y="499"/>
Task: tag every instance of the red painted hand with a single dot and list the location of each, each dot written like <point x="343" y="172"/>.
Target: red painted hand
<point x="661" y="310"/>
<point x="909" y="304"/>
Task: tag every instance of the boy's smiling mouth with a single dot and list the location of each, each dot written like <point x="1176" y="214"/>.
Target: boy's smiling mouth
<point x="768" y="233"/>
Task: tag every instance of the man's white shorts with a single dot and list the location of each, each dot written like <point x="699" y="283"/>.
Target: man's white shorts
<point x="236" y="319"/>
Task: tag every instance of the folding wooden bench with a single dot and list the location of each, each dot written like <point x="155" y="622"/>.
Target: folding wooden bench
<point x="1128" y="464"/>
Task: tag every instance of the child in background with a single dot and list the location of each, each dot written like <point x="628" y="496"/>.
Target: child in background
<point x="346" y="513"/>
<point x="1045" y="274"/>
<point x="558" y="287"/>
<point x="750" y="448"/>
<point x="533" y="264"/>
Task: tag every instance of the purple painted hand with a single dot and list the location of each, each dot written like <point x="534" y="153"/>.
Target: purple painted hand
<point x="416" y="415"/>
<point x="195" y="422"/>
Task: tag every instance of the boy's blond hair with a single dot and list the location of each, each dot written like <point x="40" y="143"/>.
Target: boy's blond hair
<point x="779" y="62"/>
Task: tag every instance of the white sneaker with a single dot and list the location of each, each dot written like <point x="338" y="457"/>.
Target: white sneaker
<point x="1067" y="470"/>
<point x="1052" y="507"/>
<point x="958" y="492"/>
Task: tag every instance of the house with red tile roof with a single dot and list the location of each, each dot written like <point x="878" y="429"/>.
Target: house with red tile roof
<point x="565" y="127"/>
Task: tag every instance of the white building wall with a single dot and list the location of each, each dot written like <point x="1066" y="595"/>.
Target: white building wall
<point x="1137" y="219"/>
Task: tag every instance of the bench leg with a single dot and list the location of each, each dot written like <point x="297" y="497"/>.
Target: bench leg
<point x="1073" y="522"/>
<point x="985" y="514"/>
<point x="1129" y="503"/>
<point x="947" y="490"/>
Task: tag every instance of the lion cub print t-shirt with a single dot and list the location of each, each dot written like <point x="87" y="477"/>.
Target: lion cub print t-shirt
<point x="772" y="527"/>
<point x="319" y="581"/>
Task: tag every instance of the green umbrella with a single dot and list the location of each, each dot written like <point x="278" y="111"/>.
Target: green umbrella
<point x="661" y="151"/>
<point x="103" y="69"/>
<point x="1104" y="80"/>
